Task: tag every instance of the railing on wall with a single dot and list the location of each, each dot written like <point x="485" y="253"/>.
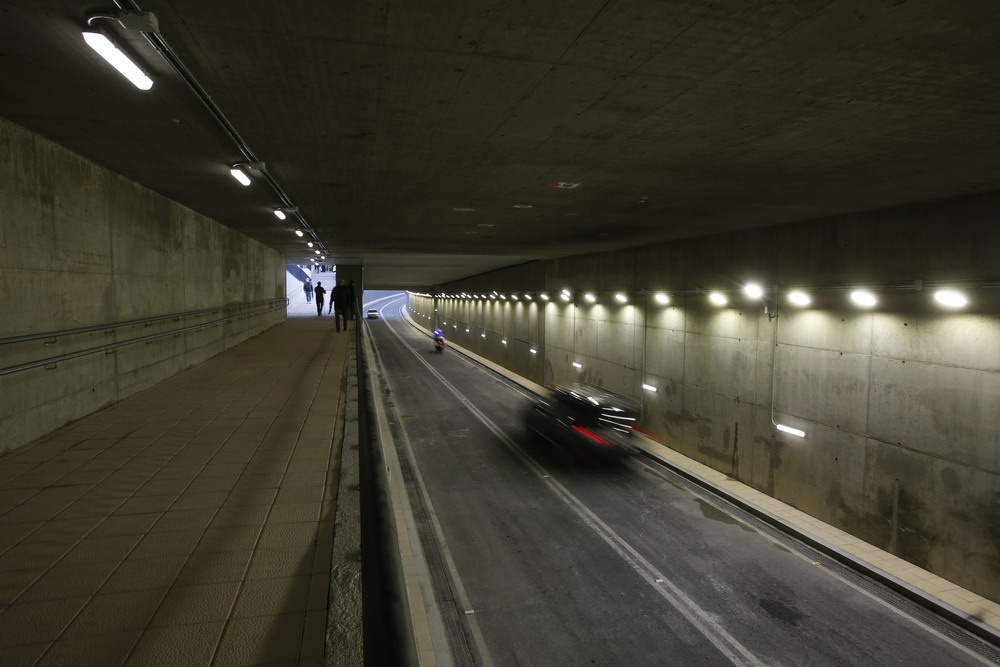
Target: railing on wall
<point x="50" y="363"/>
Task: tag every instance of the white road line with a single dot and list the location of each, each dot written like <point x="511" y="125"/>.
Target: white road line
<point x="728" y="645"/>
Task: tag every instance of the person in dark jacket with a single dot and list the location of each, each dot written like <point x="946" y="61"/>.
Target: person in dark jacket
<point x="340" y="298"/>
<point x="308" y="289"/>
<point x="320" y="293"/>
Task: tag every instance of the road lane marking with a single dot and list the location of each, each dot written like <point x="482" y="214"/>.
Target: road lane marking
<point x="728" y="645"/>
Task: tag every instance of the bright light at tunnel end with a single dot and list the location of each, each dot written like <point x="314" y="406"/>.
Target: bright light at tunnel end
<point x="792" y="431"/>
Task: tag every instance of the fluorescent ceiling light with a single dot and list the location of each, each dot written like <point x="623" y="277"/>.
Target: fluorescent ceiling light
<point x="279" y="213"/>
<point x="718" y="298"/>
<point x="649" y="387"/>
<point x="753" y="290"/>
<point x="863" y="298"/>
<point x="309" y="243"/>
<point x="298" y="232"/>
<point x="121" y="62"/>
<point x="621" y="297"/>
<point x="316" y="251"/>
<point x="662" y="298"/>
<point x="793" y="431"/>
<point x="240" y="176"/>
<point x="799" y="298"/>
<point x="951" y="298"/>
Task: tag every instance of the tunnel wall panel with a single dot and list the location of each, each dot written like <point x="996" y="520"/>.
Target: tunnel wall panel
<point x="81" y="246"/>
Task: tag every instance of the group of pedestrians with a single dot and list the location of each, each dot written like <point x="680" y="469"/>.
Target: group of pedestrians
<point x="342" y="300"/>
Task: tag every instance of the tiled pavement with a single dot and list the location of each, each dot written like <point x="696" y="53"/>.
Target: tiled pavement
<point x="190" y="524"/>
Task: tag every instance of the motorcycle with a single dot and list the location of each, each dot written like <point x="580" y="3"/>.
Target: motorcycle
<point x="438" y="340"/>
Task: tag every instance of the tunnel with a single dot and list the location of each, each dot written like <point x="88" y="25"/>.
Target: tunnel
<point x="769" y="231"/>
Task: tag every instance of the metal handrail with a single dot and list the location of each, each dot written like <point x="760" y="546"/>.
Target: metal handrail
<point x="129" y="323"/>
<point x="52" y="362"/>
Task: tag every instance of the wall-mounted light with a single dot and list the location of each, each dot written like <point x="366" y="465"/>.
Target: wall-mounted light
<point x="799" y="298"/>
<point x="533" y="351"/>
<point x="951" y="298"/>
<point x="718" y="298"/>
<point x="590" y="297"/>
<point x="621" y="298"/>
<point x="577" y="365"/>
<point x="121" y="62"/>
<point x="662" y="298"/>
<point x="649" y="387"/>
<point x="504" y="341"/>
<point x="753" y="290"/>
<point x="484" y="335"/>
<point x="545" y="297"/>
<point x="863" y="298"/>
<point x="792" y="431"/>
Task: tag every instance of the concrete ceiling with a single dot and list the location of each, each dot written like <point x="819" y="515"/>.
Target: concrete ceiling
<point x="413" y="136"/>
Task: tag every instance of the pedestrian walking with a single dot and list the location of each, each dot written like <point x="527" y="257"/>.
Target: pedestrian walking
<point x="320" y="292"/>
<point x="308" y="289"/>
<point x="339" y="298"/>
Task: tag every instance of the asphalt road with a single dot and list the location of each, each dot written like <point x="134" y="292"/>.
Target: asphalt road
<point x="542" y="559"/>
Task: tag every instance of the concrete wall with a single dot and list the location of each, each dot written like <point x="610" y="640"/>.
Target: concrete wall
<point x="82" y="246"/>
<point x="899" y="403"/>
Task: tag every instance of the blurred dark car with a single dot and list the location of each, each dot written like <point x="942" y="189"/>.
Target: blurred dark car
<point x="587" y="420"/>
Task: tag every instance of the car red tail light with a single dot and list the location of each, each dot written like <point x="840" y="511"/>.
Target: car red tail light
<point x="590" y="435"/>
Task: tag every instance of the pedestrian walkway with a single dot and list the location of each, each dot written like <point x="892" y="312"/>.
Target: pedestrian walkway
<point x="191" y="524"/>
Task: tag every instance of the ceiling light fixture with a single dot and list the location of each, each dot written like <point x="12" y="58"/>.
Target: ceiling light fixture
<point x="121" y="62"/>
<point x="279" y="214"/>
<point x="309" y="243"/>
<point x="298" y="232"/>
